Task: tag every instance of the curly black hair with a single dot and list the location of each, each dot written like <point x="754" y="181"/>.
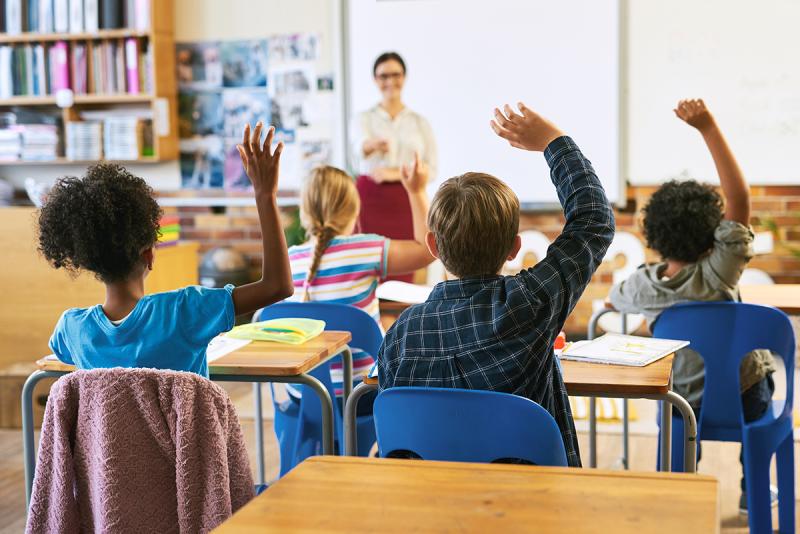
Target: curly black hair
<point x="680" y="219"/>
<point x="100" y="223"/>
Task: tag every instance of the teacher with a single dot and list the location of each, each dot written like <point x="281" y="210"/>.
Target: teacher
<point x="386" y="137"/>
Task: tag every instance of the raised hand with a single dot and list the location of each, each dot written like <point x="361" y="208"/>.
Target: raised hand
<point x="695" y="113"/>
<point x="526" y="130"/>
<point x="260" y="163"/>
<point x="415" y="176"/>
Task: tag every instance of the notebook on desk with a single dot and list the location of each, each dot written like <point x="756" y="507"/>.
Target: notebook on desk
<point x="619" y="349"/>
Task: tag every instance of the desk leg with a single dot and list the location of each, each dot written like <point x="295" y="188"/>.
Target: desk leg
<point x="350" y="423"/>
<point x="689" y="430"/>
<point x="327" y="410"/>
<point x="625" y="434"/>
<point x="592" y="432"/>
<point x="347" y="374"/>
<point x="259" y="423"/>
<point x="28" y="445"/>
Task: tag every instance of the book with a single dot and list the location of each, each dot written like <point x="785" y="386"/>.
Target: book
<point x="6" y="72"/>
<point x="142" y="15"/>
<point x="31" y="16"/>
<point x="91" y="16"/>
<point x="45" y="16"/>
<point x="403" y="292"/>
<point x="110" y="14"/>
<point x="132" y="65"/>
<point x="59" y="60"/>
<point x="61" y="16"/>
<point x="76" y="16"/>
<point x="13" y="17"/>
<point x="79" y="71"/>
<point x="619" y="349"/>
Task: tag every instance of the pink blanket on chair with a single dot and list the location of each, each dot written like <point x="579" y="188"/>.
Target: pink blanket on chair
<point x="138" y="450"/>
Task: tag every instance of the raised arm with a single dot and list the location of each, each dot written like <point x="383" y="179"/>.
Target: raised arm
<point x="558" y="281"/>
<point x="406" y="256"/>
<point x="262" y="167"/>
<point x="734" y="186"/>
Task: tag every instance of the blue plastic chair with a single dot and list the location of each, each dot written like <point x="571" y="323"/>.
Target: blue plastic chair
<point x="723" y="333"/>
<point x="464" y="425"/>
<point x="298" y="426"/>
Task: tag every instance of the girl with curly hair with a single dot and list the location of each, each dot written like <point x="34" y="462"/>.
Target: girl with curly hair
<point x="107" y="223"/>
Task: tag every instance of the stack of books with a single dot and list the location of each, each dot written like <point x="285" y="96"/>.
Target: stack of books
<point x="73" y="16"/>
<point x="39" y="141"/>
<point x="84" y="140"/>
<point x="127" y="132"/>
<point x="10" y="145"/>
<point x="170" y="231"/>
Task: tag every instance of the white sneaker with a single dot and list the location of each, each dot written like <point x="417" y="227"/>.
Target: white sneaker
<point x="773" y="500"/>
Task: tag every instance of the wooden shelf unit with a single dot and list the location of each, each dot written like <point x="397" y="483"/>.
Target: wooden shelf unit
<point x="160" y="37"/>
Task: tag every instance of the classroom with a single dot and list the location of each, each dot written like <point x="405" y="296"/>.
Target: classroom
<point x="480" y="266"/>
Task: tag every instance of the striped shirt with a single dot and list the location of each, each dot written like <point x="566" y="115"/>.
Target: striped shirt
<point x="349" y="273"/>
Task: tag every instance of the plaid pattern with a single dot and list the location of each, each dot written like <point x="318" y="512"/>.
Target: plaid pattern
<point x="497" y="332"/>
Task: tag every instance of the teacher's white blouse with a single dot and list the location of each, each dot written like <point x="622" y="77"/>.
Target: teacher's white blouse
<point x="407" y="133"/>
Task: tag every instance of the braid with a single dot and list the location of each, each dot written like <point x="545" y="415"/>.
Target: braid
<point x="323" y="236"/>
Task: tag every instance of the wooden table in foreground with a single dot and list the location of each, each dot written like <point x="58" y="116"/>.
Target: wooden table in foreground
<point x="344" y="494"/>
<point x="257" y="362"/>
<point x="785" y="297"/>
<point x="597" y="380"/>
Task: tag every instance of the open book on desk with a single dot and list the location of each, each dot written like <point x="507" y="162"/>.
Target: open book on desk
<point x="403" y="292"/>
<point x="619" y="349"/>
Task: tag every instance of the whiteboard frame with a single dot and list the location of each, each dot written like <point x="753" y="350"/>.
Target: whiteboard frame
<point x="342" y="12"/>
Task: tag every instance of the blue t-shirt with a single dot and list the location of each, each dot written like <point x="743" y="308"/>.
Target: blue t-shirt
<point x="164" y="331"/>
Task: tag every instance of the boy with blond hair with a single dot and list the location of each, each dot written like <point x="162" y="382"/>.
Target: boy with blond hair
<point x="485" y="331"/>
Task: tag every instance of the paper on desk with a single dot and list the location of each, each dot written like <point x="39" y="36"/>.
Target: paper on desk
<point x="403" y="292"/>
<point x="620" y="349"/>
<point x="221" y="345"/>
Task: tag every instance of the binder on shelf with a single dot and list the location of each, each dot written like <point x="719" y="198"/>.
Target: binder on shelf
<point x="110" y="14"/>
<point x="13" y="17"/>
<point x="31" y="16"/>
<point x="132" y="65"/>
<point x="91" y="16"/>
<point x="59" y="60"/>
<point x="61" y="16"/>
<point x="46" y="16"/>
<point x="142" y="15"/>
<point x="6" y="65"/>
<point x="76" y="16"/>
<point x="79" y="81"/>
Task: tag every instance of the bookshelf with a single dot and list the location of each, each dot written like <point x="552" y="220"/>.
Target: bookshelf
<point x="101" y="89"/>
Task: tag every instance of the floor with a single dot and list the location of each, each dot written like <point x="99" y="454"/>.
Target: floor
<point x="719" y="460"/>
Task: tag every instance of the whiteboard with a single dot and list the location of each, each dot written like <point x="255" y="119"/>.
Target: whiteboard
<point x="742" y="58"/>
<point x="464" y="57"/>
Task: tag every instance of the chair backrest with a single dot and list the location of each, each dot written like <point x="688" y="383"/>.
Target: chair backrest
<point x="366" y="333"/>
<point x="466" y="426"/>
<point x="723" y="333"/>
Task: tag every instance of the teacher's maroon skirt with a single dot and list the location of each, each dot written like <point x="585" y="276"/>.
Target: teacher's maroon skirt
<point x="385" y="211"/>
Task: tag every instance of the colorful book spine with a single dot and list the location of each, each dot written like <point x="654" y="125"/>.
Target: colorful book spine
<point x="60" y="66"/>
<point x="110" y="14"/>
<point x="132" y="65"/>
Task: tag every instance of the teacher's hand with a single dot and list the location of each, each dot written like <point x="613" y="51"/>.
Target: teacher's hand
<point x="415" y="176"/>
<point x="371" y="146"/>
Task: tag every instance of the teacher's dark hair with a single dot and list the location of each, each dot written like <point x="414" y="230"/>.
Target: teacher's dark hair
<point x="388" y="56"/>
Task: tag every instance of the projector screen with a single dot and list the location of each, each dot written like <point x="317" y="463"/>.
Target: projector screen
<point x="464" y="57"/>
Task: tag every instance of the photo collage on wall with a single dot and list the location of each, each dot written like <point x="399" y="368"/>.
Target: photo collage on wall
<point x="225" y="85"/>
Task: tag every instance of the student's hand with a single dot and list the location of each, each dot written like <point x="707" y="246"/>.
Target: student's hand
<point x="260" y="164"/>
<point x="695" y="113"/>
<point x="415" y="176"/>
<point x="526" y="130"/>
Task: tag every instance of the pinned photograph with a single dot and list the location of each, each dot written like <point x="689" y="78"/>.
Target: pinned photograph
<point x="242" y="107"/>
<point x="288" y="112"/>
<point x="299" y="46"/>
<point x="199" y="113"/>
<point x="291" y="80"/>
<point x="199" y="65"/>
<point x="244" y="63"/>
<point x="201" y="163"/>
<point x="315" y="153"/>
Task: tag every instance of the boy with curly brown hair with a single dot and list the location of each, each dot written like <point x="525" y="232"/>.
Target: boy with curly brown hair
<point x="705" y="245"/>
<point x="107" y="223"/>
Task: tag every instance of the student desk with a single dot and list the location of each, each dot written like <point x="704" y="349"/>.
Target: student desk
<point x="785" y="297"/>
<point x="259" y="361"/>
<point x="598" y="380"/>
<point x="343" y="494"/>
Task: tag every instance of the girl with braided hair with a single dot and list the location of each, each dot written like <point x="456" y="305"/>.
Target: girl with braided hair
<point x="338" y="265"/>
